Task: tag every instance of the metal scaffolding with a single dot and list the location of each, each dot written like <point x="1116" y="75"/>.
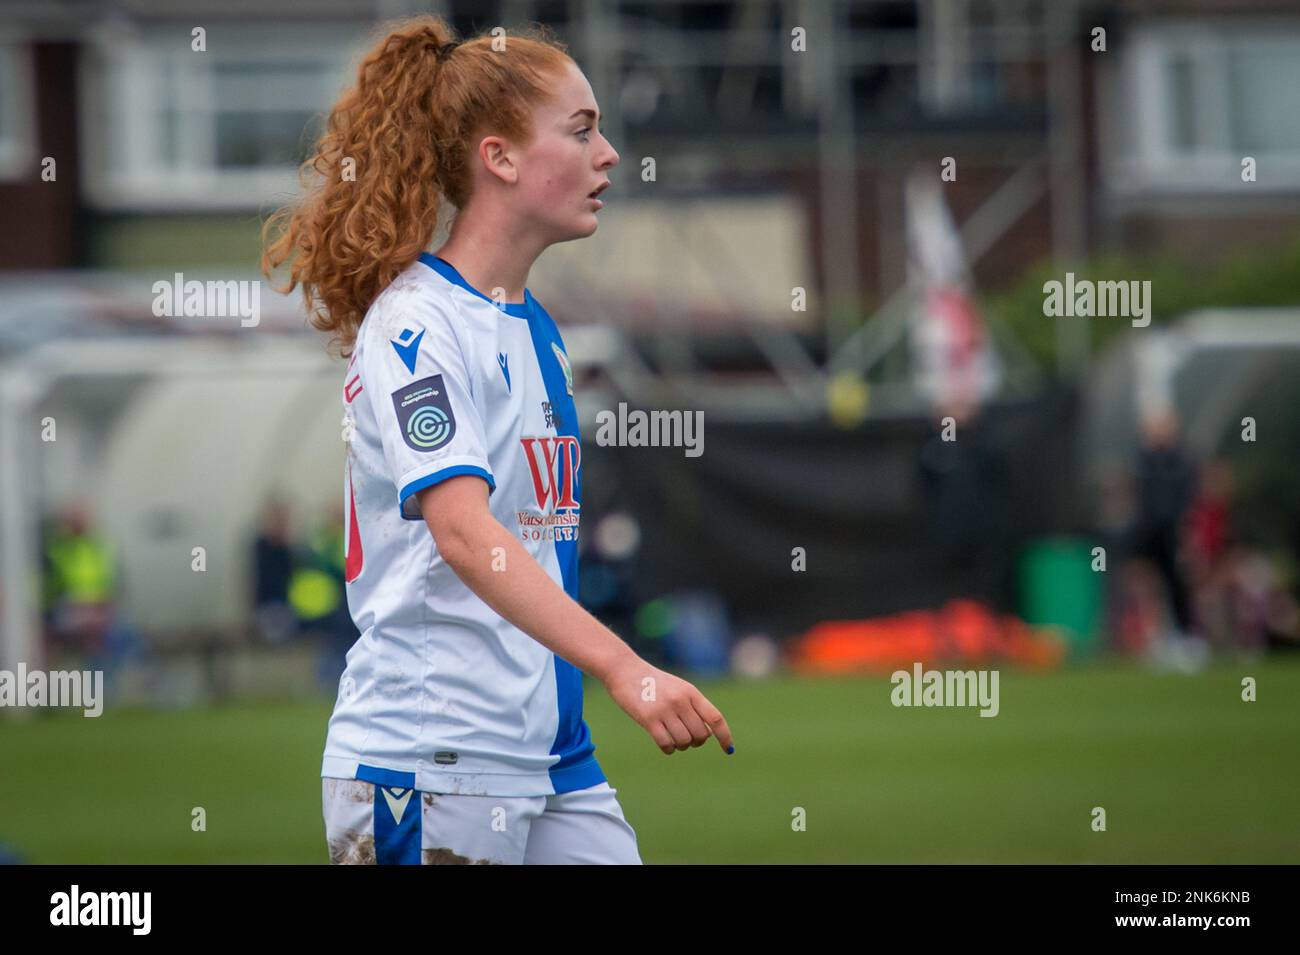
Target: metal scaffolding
<point x="720" y="70"/>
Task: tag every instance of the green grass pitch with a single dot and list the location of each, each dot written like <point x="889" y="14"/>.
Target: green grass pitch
<point x="1186" y="771"/>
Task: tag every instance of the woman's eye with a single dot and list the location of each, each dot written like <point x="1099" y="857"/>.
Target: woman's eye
<point x="584" y="131"/>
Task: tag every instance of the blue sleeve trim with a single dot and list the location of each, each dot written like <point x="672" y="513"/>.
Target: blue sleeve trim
<point x="419" y="484"/>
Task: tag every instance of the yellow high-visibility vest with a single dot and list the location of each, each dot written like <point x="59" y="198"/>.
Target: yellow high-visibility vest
<point x="313" y="594"/>
<point x="313" y="591"/>
<point x="83" y="568"/>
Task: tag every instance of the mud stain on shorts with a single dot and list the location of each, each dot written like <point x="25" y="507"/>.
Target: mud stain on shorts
<point x="447" y="857"/>
<point x="352" y="848"/>
<point x="354" y="790"/>
<point x="358" y="791"/>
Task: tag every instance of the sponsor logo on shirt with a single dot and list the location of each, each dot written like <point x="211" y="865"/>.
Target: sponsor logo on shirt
<point x="553" y="417"/>
<point x="553" y="462"/>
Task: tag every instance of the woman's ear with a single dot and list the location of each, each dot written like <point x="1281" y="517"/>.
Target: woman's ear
<point x="494" y="152"/>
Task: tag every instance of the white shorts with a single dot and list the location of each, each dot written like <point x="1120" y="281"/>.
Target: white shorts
<point x="385" y="825"/>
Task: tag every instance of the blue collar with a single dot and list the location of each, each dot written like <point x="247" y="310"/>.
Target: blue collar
<point x="448" y="271"/>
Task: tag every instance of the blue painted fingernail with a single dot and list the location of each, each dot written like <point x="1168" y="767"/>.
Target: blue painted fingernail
<point x="730" y="750"/>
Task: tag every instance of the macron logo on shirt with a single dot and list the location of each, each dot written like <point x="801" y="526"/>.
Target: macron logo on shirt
<point x="409" y="348"/>
<point x="504" y="361"/>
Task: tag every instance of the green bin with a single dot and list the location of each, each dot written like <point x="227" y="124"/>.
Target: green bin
<point x="1059" y="588"/>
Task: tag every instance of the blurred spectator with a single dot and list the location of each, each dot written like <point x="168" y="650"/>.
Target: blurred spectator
<point x="1210" y="557"/>
<point x="1133" y="599"/>
<point x="273" y="618"/>
<point x="1241" y="600"/>
<point x="1166" y="481"/>
<point x="318" y="594"/>
<point x="79" y="588"/>
<point x="607" y="571"/>
<point x="1116" y="509"/>
<point x="1235" y="597"/>
<point x="966" y="485"/>
<point x="1209" y="520"/>
<point x="1263" y="610"/>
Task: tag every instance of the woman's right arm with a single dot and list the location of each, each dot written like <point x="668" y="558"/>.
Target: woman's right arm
<point x="497" y="567"/>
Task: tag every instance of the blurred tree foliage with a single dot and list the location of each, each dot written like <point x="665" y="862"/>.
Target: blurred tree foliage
<point x="1259" y="278"/>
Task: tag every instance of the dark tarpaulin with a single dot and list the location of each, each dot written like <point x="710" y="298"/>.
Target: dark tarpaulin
<point x="890" y="518"/>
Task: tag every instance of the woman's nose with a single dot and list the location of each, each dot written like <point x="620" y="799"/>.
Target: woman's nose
<point x="612" y="158"/>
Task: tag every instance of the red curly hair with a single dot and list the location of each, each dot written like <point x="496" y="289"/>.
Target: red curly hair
<point x="408" y="126"/>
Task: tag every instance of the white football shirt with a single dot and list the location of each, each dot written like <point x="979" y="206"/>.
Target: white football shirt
<point x="440" y="693"/>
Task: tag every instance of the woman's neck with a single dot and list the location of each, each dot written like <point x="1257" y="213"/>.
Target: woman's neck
<point x="486" y="262"/>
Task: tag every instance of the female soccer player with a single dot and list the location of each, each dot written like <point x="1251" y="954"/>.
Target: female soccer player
<point x="458" y="734"/>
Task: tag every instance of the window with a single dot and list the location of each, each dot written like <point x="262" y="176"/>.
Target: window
<point x="1195" y="99"/>
<point x="168" y="127"/>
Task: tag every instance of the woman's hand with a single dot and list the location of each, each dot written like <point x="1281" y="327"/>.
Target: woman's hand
<point x="672" y="711"/>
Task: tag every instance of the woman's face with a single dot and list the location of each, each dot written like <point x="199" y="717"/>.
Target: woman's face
<point x="566" y="162"/>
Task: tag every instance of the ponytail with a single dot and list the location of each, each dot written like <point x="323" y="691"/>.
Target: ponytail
<point x="394" y="145"/>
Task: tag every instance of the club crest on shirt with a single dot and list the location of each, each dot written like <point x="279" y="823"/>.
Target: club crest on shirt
<point x="564" y="366"/>
<point x="424" y="414"/>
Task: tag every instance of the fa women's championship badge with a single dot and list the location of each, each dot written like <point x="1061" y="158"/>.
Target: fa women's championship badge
<point x="424" y="414"/>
